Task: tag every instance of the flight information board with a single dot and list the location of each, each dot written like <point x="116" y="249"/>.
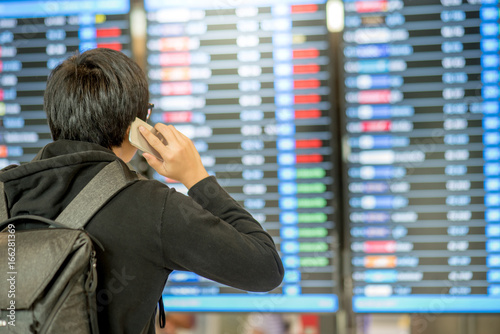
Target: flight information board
<point x="423" y="172"/>
<point x="249" y="84"/>
<point x="35" y="36"/>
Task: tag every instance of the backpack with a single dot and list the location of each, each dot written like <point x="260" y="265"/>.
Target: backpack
<point x="48" y="275"/>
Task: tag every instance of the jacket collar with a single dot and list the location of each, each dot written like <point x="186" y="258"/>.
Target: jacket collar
<point x="64" y="147"/>
<point x="61" y="153"/>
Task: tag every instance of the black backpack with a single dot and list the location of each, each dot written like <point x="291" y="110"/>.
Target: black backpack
<point x="48" y="275"/>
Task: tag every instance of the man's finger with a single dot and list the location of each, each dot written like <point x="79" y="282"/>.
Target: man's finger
<point x="153" y="161"/>
<point x="181" y="136"/>
<point x="152" y="139"/>
<point x="166" y="132"/>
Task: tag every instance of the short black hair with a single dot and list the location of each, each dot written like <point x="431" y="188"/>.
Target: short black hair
<point x="95" y="96"/>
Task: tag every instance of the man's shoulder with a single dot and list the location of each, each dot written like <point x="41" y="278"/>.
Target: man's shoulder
<point x="150" y="190"/>
<point x="144" y="184"/>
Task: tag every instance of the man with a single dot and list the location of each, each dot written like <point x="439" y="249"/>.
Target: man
<point x="147" y="230"/>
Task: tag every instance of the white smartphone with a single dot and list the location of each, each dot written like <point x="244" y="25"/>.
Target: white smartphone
<point x="137" y="139"/>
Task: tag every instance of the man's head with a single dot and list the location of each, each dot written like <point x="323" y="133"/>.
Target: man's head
<point x="95" y="96"/>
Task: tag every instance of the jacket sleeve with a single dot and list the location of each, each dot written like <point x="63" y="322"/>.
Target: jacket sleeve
<point x="211" y="235"/>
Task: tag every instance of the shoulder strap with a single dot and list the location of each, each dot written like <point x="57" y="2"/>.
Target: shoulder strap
<point x="107" y="183"/>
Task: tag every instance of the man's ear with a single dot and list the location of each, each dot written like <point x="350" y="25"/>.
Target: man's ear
<point x="127" y="133"/>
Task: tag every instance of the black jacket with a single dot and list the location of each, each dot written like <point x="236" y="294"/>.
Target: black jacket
<point x="147" y="231"/>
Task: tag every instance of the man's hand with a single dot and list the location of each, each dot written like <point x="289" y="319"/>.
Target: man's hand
<point x="181" y="160"/>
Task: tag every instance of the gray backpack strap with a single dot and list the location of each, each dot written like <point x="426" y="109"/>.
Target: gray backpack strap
<point x="4" y="213"/>
<point x="108" y="182"/>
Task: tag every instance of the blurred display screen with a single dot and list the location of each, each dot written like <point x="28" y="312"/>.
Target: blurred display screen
<point x="35" y="36"/>
<point x="249" y="84"/>
<point x="423" y="171"/>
